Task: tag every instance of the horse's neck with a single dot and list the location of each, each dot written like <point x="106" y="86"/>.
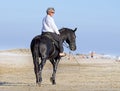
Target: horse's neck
<point x="64" y="37"/>
<point x="64" y="34"/>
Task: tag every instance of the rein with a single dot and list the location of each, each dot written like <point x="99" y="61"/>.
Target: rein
<point x="65" y="44"/>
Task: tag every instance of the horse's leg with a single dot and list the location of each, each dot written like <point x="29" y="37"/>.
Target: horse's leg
<point x="41" y="65"/>
<point x="55" y="64"/>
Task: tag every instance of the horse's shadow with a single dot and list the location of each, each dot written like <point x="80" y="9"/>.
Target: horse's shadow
<point x="15" y="84"/>
<point x="2" y="83"/>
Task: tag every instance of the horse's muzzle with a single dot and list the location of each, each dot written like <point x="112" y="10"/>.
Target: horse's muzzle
<point x="73" y="48"/>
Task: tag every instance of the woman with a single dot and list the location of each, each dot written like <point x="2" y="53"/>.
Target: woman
<point x="48" y="25"/>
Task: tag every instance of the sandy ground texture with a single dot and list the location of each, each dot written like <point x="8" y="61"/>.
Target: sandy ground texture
<point x="73" y="74"/>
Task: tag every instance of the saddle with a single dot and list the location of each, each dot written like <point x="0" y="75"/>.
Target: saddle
<point x="51" y="38"/>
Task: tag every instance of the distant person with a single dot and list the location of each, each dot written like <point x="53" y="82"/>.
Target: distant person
<point x="92" y="54"/>
<point x="49" y="26"/>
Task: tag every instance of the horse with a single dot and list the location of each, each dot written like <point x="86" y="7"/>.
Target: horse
<point x="44" y="48"/>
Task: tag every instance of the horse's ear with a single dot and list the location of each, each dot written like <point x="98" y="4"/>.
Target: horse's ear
<point x="75" y="29"/>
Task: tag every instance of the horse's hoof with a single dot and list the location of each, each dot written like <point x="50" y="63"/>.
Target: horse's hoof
<point x="53" y="81"/>
<point x="39" y="84"/>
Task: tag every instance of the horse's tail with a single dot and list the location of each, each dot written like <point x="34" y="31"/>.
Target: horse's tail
<point x="35" y="55"/>
<point x="34" y="47"/>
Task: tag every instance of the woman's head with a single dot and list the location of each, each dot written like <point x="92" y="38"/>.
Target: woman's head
<point x="50" y="11"/>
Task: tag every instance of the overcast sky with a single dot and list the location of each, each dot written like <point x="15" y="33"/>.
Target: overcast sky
<point x="98" y="23"/>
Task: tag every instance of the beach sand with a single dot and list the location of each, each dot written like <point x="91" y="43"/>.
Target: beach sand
<point x="73" y="74"/>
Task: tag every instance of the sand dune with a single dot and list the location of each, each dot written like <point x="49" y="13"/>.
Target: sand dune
<point x="74" y="73"/>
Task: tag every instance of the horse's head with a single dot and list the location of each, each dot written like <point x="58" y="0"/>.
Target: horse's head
<point x="69" y="36"/>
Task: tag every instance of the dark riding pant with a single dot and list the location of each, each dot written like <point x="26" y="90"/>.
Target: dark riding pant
<point x="57" y="38"/>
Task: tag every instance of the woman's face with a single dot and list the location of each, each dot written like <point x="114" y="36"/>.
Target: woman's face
<point x="51" y="12"/>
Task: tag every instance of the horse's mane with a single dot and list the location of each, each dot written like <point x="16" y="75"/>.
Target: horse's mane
<point x="63" y="29"/>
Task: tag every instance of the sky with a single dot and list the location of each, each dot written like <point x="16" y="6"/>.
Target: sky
<point x="97" y="22"/>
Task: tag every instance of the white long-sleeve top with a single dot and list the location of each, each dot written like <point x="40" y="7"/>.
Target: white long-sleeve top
<point x="48" y="25"/>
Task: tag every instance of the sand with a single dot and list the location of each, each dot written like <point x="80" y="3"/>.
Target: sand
<point x="74" y="73"/>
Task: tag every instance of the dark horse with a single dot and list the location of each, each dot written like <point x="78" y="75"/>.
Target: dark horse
<point x="44" y="47"/>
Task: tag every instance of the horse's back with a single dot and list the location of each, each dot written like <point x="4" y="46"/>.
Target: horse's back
<point x="39" y="39"/>
<point x="41" y="43"/>
<point x="44" y="46"/>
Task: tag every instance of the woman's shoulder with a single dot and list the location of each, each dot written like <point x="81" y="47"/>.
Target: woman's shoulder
<point x="49" y="17"/>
